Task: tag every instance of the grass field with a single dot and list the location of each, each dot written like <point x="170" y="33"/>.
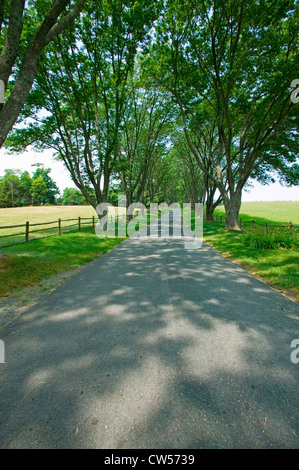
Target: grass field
<point x="46" y="214"/>
<point x="20" y="215"/>
<point x="30" y="263"/>
<point x="276" y="212"/>
<point x="278" y="267"/>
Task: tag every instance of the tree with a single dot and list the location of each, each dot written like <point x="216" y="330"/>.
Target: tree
<point x="25" y="33"/>
<point x="197" y="184"/>
<point x="26" y="182"/>
<point x="19" y="189"/>
<point x="237" y="59"/>
<point x="82" y="86"/>
<point x="165" y="183"/>
<point x="73" y="197"/>
<point x="144" y="138"/>
<point x="39" y="191"/>
<point x="52" y="190"/>
<point x="10" y="189"/>
<point x="279" y="160"/>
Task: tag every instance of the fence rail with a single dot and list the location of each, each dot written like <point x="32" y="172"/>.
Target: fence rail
<point x="58" y="228"/>
<point x="253" y="225"/>
<point x="41" y="230"/>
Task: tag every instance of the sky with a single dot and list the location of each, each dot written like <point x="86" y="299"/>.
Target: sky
<point x="272" y="192"/>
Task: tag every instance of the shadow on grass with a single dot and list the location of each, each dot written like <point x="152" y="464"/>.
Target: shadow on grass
<point x="279" y="266"/>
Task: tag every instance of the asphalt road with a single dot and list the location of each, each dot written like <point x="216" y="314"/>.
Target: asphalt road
<point x="153" y="346"/>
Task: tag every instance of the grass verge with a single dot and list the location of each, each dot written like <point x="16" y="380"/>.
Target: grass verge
<point x="278" y="267"/>
<point x="30" y="263"/>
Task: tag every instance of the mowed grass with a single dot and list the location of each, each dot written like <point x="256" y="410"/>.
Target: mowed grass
<point x="20" y="215"/>
<point x="30" y="263"/>
<point x="46" y="214"/>
<point x="27" y="264"/>
<point x="277" y="212"/>
<point x="278" y="267"/>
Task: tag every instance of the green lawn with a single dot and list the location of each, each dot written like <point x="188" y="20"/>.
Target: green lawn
<point x="278" y="267"/>
<point x="30" y="263"/>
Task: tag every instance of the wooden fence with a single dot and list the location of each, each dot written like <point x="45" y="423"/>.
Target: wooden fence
<point x="32" y="231"/>
<point x="252" y="225"/>
<point x="38" y="231"/>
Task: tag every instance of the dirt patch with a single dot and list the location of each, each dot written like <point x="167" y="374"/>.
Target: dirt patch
<point x="18" y="303"/>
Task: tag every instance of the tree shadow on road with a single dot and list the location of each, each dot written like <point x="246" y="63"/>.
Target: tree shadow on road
<point x="153" y="346"/>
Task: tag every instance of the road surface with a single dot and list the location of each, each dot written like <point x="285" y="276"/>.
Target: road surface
<point x="153" y="346"/>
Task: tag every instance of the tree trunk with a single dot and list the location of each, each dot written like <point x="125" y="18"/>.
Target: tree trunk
<point x="49" y="29"/>
<point x="129" y="201"/>
<point x="210" y="204"/>
<point x="232" y="207"/>
<point x="209" y="211"/>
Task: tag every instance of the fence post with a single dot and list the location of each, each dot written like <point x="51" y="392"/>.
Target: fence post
<point x="252" y="224"/>
<point x="59" y="226"/>
<point x="93" y="222"/>
<point x="221" y="219"/>
<point x="79" y="224"/>
<point x="241" y="223"/>
<point x="291" y="228"/>
<point x="27" y="231"/>
<point x="267" y="228"/>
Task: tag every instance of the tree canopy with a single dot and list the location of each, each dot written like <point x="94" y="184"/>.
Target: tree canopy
<point x="181" y="99"/>
<point x="25" y="31"/>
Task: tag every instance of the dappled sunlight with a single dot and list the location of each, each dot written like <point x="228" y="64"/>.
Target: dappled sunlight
<point x="243" y="281"/>
<point x="39" y="377"/>
<point x="114" y="415"/>
<point x="153" y="346"/>
<point x="71" y="315"/>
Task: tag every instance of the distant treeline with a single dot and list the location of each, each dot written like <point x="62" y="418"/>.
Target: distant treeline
<point x="19" y="189"/>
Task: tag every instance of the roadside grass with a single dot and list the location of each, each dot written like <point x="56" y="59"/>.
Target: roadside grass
<point x="278" y="267"/>
<point x="30" y="263"/>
